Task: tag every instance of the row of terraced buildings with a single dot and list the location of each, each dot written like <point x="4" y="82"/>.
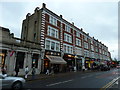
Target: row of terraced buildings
<point x="47" y="40"/>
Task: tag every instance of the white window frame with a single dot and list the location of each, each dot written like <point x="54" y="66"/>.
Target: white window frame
<point x="78" y="51"/>
<point x="56" y="42"/>
<point x="85" y="45"/>
<point x="92" y="47"/>
<point x="50" y="31"/>
<point x="53" y="20"/>
<point x="77" y="34"/>
<point x="85" y="38"/>
<point x="78" y="42"/>
<point x="67" y="38"/>
<point x="69" y="48"/>
<point x="67" y="28"/>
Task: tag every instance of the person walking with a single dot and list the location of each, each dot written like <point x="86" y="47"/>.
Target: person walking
<point x="33" y="72"/>
<point x="75" y="69"/>
<point x="26" y="71"/>
<point x="83" y="68"/>
<point x="4" y="70"/>
<point x="48" y="71"/>
<point x="17" y="70"/>
<point x="52" y="70"/>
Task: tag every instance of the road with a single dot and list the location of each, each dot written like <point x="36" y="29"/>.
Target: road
<point x="97" y="79"/>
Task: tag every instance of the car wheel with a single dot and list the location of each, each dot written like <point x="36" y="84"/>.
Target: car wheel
<point x="17" y="85"/>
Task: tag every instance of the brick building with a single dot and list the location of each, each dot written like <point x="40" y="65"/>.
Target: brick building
<point x="62" y="44"/>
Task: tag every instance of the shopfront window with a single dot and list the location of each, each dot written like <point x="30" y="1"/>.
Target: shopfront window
<point x="35" y="60"/>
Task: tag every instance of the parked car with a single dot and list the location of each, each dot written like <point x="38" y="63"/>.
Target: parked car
<point x="118" y="66"/>
<point x="14" y="83"/>
<point x="104" y="68"/>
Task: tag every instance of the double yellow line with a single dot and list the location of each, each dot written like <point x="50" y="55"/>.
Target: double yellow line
<point x="109" y="84"/>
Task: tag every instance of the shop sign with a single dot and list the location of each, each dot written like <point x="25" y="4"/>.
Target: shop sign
<point x="91" y="61"/>
<point x="34" y="61"/>
<point x="69" y="59"/>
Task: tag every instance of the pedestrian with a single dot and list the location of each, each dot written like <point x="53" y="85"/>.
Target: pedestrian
<point x="17" y="70"/>
<point x="26" y="71"/>
<point x="33" y="72"/>
<point x="47" y="71"/>
<point x="4" y="70"/>
<point x="52" y="70"/>
<point x="83" y="68"/>
<point x="75" y="69"/>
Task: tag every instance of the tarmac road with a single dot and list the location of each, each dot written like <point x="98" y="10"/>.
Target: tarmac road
<point x="94" y="80"/>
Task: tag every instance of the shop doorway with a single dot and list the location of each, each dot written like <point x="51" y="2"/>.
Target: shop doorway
<point x="20" y="60"/>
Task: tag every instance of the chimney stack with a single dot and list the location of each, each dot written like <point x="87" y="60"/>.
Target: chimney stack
<point x="36" y="9"/>
<point x="72" y="23"/>
<point x="28" y="15"/>
<point x="81" y="29"/>
<point x="43" y="5"/>
<point x="60" y="16"/>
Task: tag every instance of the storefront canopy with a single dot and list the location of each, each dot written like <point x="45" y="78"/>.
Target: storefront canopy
<point x="96" y="62"/>
<point x="56" y="59"/>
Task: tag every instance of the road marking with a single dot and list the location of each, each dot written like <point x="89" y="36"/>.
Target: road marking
<point x="110" y="83"/>
<point x="90" y="75"/>
<point x="86" y="76"/>
<point x="60" y="82"/>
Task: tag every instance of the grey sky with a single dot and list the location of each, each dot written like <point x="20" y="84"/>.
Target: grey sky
<point x="99" y="19"/>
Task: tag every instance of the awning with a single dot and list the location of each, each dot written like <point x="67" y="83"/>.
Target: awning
<point x="96" y="62"/>
<point x="56" y="59"/>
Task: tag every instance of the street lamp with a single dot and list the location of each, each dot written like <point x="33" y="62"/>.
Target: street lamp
<point x="112" y="51"/>
<point x="42" y="53"/>
<point x="75" y="62"/>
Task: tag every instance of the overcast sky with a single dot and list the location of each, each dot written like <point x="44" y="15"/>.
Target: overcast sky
<point x="98" y="18"/>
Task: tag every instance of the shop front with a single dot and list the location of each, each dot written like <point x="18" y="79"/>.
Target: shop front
<point x="2" y="58"/>
<point x="79" y="62"/>
<point x="87" y="63"/>
<point x="70" y="59"/>
<point x="92" y="60"/>
<point x="53" y="60"/>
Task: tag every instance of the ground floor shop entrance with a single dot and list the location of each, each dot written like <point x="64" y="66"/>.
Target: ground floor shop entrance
<point x="55" y="63"/>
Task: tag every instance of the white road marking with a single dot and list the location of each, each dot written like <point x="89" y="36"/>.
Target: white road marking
<point x="90" y="75"/>
<point x="60" y="82"/>
<point x="83" y="77"/>
<point x="86" y="76"/>
<point x="116" y="82"/>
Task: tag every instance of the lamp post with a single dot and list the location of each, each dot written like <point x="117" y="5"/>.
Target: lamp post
<point x="112" y="52"/>
<point x="75" y="63"/>
<point x="42" y="51"/>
